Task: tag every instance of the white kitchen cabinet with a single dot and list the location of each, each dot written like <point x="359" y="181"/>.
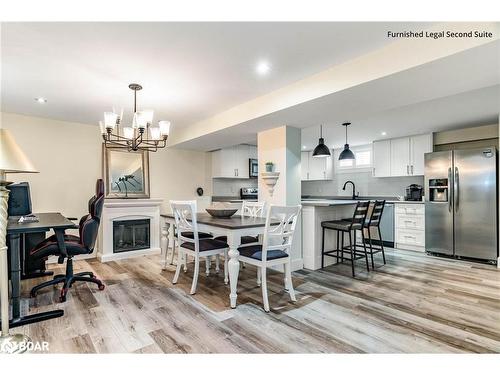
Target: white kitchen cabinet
<point x="381" y="158"/>
<point x="315" y="169"/>
<point x="419" y="145"/>
<point x="231" y="162"/>
<point x="410" y="226"/>
<point x="241" y="162"/>
<point x="400" y="156"/>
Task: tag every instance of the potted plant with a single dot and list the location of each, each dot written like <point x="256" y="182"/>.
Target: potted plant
<point x="269" y="166"/>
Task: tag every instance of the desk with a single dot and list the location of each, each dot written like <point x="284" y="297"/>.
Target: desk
<point x="234" y="228"/>
<point x="47" y="221"/>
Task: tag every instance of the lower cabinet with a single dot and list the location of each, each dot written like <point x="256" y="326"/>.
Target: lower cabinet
<point x="410" y="226"/>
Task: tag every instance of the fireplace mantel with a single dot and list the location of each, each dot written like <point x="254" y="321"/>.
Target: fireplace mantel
<point x="132" y="209"/>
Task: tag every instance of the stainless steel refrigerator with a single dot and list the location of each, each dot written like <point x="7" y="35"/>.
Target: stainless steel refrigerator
<point x="461" y="203"/>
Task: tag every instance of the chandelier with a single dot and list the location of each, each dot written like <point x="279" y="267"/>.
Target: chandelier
<point x="140" y="135"/>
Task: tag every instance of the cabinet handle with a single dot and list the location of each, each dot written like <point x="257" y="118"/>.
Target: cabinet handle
<point x="324" y="175"/>
<point x="407" y="169"/>
<point x="237" y="172"/>
<point x="412" y="169"/>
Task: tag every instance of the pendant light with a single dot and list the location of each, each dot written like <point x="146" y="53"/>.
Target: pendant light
<point x="346" y="153"/>
<point x="321" y="150"/>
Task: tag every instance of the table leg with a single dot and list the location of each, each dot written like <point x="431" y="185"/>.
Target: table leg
<point x="165" y="239"/>
<point x="15" y="275"/>
<point x="234" y="268"/>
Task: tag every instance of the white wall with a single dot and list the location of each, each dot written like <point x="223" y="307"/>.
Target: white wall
<point x="68" y="157"/>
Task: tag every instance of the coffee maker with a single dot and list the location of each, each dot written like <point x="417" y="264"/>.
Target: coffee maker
<point x="414" y="192"/>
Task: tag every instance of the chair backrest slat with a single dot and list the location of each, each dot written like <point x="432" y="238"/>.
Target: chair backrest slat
<point x="280" y="236"/>
<point x="255" y="209"/>
<point x="376" y="214"/>
<point x="185" y="220"/>
<point x="360" y="212"/>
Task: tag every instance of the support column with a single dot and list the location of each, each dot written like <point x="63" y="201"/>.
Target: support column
<point x="281" y="146"/>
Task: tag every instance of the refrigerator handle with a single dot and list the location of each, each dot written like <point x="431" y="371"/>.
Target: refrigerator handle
<point x="449" y="194"/>
<point x="456" y="190"/>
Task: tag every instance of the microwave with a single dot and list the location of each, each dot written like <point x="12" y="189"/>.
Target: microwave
<point x="253" y="168"/>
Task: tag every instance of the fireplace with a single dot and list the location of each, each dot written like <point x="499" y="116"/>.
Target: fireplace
<point x="129" y="228"/>
<point x="130" y="235"/>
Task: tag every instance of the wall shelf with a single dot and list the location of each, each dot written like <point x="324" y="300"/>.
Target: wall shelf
<point x="270" y="179"/>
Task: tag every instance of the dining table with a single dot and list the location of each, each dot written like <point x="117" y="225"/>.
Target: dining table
<point x="233" y="228"/>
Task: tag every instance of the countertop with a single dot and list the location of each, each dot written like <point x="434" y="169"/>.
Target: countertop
<point x="235" y="199"/>
<point x="324" y="202"/>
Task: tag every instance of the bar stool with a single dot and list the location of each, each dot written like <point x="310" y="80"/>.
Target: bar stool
<point x="374" y="222"/>
<point x="344" y="226"/>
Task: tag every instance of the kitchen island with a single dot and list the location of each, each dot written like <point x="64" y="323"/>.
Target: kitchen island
<point x="316" y="210"/>
<point x="313" y="213"/>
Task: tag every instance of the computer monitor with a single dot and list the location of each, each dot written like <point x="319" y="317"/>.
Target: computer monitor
<point x="19" y="199"/>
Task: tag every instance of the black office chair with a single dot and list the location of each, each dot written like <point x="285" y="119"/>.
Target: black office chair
<point x="67" y="246"/>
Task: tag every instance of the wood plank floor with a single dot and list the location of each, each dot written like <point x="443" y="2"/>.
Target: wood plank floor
<point x="414" y="304"/>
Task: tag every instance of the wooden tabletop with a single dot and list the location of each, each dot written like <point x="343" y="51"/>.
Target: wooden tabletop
<point x="234" y="222"/>
<point x="46" y="221"/>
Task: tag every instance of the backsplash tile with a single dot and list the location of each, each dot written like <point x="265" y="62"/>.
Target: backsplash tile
<point x="230" y="187"/>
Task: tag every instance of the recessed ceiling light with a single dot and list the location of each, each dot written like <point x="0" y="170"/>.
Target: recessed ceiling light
<point x="41" y="100"/>
<point x="383" y="133"/>
<point x="262" y="68"/>
<point x="303" y="147"/>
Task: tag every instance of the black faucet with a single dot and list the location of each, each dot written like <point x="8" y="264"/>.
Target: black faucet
<point x="354" y="195"/>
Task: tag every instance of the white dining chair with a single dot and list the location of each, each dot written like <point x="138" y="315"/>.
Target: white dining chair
<point x="186" y="224"/>
<point x="175" y="244"/>
<point x="275" y="248"/>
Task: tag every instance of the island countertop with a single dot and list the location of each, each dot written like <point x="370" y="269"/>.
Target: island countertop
<point x="318" y="202"/>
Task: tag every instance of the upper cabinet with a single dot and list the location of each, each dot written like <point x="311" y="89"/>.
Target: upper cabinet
<point x="315" y="169"/>
<point x="419" y="145"/>
<point x="232" y="162"/>
<point x="382" y="158"/>
<point x="401" y="156"/>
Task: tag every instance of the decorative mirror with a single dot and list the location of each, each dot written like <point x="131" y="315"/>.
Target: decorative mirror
<point x="126" y="174"/>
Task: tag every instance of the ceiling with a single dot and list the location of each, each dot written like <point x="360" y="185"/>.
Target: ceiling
<point x="457" y="91"/>
<point x="189" y="71"/>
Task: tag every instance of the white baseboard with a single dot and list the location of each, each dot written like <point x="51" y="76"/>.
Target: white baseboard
<point x="128" y="254"/>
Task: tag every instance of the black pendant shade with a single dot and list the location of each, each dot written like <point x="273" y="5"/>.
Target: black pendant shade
<point x="346" y="153"/>
<point x="321" y="150"/>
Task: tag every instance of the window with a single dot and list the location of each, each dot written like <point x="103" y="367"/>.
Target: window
<point x="363" y="159"/>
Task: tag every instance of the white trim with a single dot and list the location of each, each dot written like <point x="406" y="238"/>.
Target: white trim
<point x="128" y="254"/>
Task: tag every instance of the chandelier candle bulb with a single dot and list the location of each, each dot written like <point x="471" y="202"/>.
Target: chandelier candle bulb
<point x="110" y="120"/>
<point x="155" y="134"/>
<point x="102" y="128"/>
<point x="164" y="127"/>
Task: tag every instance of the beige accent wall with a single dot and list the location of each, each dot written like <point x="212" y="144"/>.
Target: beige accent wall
<point x="69" y="158"/>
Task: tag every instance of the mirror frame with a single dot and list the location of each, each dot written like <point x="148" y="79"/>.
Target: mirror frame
<point x="107" y="175"/>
